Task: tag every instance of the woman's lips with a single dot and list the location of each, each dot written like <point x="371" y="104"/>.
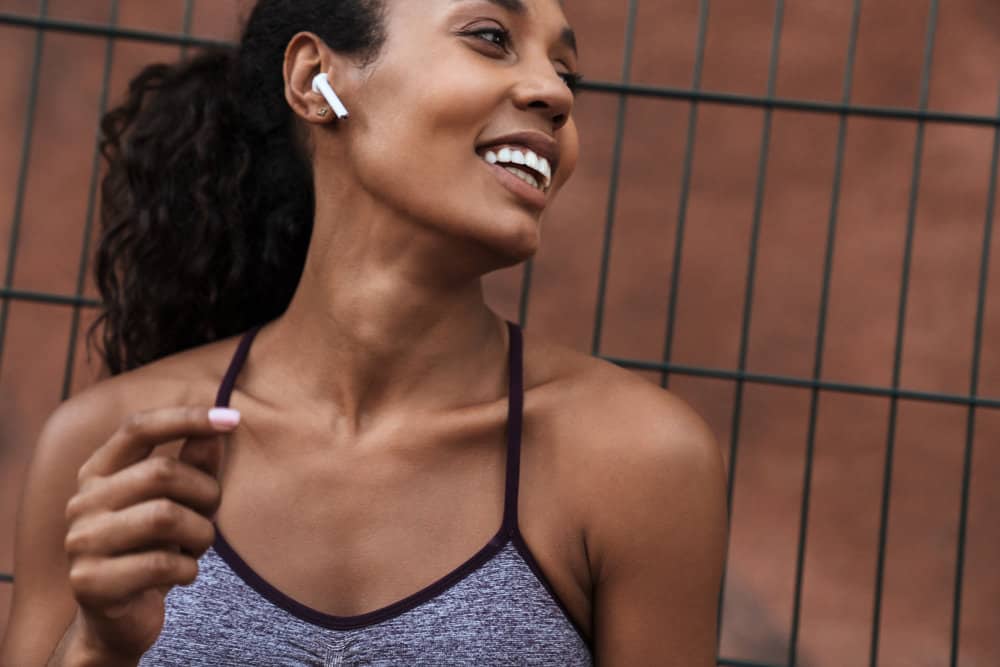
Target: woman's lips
<point x="526" y="193"/>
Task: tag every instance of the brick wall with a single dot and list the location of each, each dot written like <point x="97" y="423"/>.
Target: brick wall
<point x="726" y="185"/>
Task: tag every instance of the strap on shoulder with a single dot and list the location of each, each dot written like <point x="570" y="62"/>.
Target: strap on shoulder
<point x="515" y="416"/>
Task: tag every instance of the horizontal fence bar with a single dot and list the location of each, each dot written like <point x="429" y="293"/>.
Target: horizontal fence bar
<point x="101" y="30"/>
<point x="632" y="89"/>
<point x="733" y="662"/>
<point x="638" y="364"/>
<point x="43" y="297"/>
<point x="804" y="383"/>
<point x="768" y="102"/>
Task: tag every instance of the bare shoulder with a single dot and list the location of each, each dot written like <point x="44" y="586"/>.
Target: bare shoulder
<point x="43" y="604"/>
<point x="613" y="416"/>
<point x="84" y="422"/>
<point x="637" y="458"/>
<point x="81" y="423"/>
<point x="640" y="476"/>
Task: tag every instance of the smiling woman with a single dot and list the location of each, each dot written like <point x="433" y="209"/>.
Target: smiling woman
<point x="318" y="445"/>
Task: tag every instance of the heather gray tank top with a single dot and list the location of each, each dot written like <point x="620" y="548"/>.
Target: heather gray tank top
<point x="497" y="608"/>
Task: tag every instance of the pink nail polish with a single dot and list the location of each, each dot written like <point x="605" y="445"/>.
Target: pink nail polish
<point x="224" y="418"/>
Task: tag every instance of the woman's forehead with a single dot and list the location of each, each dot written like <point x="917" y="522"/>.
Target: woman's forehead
<point x="549" y="11"/>
<point x="520" y="8"/>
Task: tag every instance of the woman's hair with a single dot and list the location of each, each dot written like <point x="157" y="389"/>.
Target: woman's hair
<point x="207" y="203"/>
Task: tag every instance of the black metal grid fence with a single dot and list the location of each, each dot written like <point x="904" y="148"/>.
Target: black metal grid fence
<point x="739" y="376"/>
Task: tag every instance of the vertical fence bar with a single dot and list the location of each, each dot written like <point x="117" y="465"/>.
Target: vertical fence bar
<point x="758" y="213"/>
<point x="95" y="168"/>
<point x="22" y="179"/>
<point x="970" y="428"/>
<point x="186" y="25"/>
<point x="824" y="304"/>
<point x="83" y="264"/>
<point x="897" y="365"/>
<point x="685" y="192"/>
<point x="616" y="163"/>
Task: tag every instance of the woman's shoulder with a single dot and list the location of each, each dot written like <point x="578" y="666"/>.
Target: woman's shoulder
<point x="638" y="466"/>
<point x="610" y="411"/>
<point x="622" y="440"/>
<point x="85" y="420"/>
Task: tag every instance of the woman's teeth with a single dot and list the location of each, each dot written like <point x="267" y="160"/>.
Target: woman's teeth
<point x="524" y="176"/>
<point x="512" y="158"/>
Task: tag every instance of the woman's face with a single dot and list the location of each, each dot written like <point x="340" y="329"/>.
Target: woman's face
<point x="464" y="123"/>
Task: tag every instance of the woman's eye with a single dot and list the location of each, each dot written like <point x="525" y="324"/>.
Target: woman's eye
<point x="495" y="36"/>
<point x="571" y="79"/>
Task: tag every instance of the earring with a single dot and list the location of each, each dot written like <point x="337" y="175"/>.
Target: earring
<point x="322" y="112"/>
<point x="321" y="84"/>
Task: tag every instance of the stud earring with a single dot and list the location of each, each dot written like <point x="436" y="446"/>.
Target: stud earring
<point x="322" y="112"/>
<point x="321" y="84"/>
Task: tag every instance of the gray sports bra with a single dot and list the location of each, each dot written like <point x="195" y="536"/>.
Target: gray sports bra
<point x="497" y="608"/>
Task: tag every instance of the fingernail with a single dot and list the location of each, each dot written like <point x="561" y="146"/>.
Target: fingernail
<point x="224" y="418"/>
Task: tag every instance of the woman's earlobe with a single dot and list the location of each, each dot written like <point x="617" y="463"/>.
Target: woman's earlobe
<point x="321" y="84"/>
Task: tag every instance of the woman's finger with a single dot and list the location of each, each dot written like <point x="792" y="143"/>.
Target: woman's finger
<point x="202" y="453"/>
<point x="149" y="525"/>
<point x="101" y="583"/>
<point x="136" y="438"/>
<point x="156" y="477"/>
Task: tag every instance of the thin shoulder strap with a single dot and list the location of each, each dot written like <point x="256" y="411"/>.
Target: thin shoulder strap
<point x="235" y="366"/>
<point x="515" y="415"/>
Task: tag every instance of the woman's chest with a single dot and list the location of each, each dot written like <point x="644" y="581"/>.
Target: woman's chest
<point x="357" y="535"/>
<point x="499" y="614"/>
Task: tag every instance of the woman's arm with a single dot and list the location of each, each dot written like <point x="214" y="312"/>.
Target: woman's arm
<point x="106" y="530"/>
<point x="657" y="538"/>
<point x="43" y="605"/>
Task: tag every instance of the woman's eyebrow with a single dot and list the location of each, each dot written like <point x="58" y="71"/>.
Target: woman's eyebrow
<point x="567" y="36"/>
<point x="512" y="6"/>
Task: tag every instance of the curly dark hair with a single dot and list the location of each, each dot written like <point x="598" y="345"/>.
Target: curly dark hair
<point x="208" y="201"/>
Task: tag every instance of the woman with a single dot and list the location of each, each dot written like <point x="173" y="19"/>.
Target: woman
<point x="316" y="279"/>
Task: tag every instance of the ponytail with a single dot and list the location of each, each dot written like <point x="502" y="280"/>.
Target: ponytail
<point x="207" y="202"/>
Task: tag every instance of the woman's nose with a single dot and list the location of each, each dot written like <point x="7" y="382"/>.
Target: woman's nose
<point x="544" y="91"/>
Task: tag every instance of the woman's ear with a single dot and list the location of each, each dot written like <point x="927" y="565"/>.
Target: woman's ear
<point x="306" y="57"/>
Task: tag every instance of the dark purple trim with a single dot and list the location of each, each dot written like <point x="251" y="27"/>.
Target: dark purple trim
<point x="508" y="533"/>
<point x="525" y="551"/>
<point x="310" y="615"/>
<point x="515" y="418"/>
<point x="515" y="413"/>
<point x="235" y="366"/>
<point x="508" y="528"/>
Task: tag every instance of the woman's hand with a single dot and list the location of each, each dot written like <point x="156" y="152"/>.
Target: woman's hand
<point x="137" y="526"/>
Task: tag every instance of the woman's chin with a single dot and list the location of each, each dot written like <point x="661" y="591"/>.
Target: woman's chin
<point x="518" y="243"/>
<point x="503" y="249"/>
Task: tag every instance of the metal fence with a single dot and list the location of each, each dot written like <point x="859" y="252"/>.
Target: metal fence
<point x="739" y="376"/>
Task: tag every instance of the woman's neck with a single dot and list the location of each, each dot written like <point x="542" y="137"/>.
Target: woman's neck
<point x="372" y="331"/>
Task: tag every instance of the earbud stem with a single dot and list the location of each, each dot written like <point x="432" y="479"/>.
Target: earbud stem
<point x="321" y="84"/>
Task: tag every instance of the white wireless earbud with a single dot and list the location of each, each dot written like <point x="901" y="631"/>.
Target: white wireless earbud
<point x="321" y="84"/>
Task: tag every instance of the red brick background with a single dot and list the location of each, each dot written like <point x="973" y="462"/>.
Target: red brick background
<point x="852" y="430"/>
